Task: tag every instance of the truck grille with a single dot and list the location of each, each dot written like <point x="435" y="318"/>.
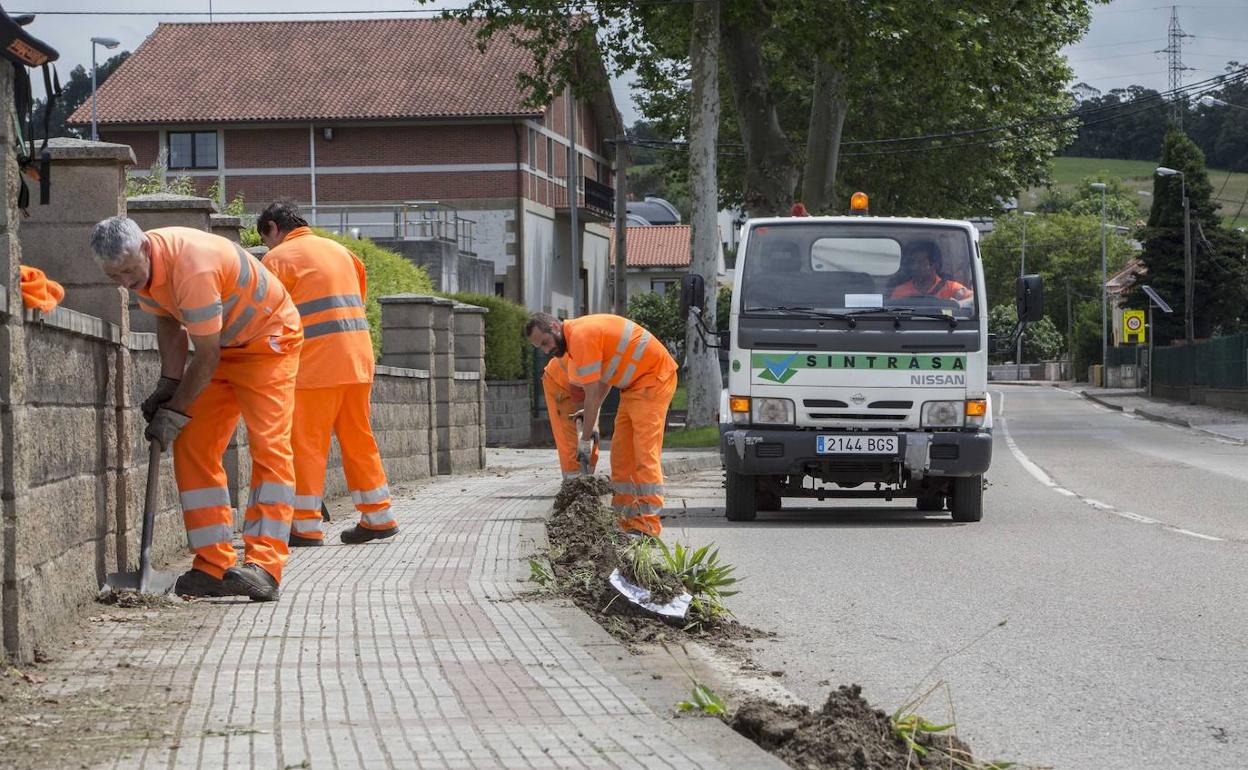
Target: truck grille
<point x="854" y="416"/>
<point x="824" y="403"/>
<point x="890" y="405"/>
<point x="769" y="450"/>
<point x="944" y="451"/>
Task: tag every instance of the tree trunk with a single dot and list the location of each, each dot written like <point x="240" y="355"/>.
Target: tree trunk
<point x="823" y="139"/>
<point x="702" y="378"/>
<point x="771" y="168"/>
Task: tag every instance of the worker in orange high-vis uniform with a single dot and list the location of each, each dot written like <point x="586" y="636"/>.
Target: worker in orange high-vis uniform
<point x="605" y="351"/>
<point x="563" y="401"/>
<point x="247" y="337"/>
<point x="332" y="393"/>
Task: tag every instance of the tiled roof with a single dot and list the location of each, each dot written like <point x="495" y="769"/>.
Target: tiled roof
<point x="656" y="246"/>
<point x="375" y="69"/>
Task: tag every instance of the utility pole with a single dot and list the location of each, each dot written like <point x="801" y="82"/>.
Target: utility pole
<point x="574" y="202"/>
<point x="1070" y="334"/>
<point x="621" y="225"/>
<point x="1104" y="292"/>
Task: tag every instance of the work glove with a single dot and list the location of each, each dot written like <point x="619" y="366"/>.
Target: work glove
<point x="584" y="450"/>
<point x="165" y="388"/>
<point x="165" y="426"/>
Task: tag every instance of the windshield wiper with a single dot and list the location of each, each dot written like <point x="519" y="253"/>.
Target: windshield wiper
<point x="897" y="313"/>
<point x="806" y="312"/>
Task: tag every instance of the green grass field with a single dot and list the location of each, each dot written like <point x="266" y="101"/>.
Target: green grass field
<point x="692" y="438"/>
<point x="1230" y="188"/>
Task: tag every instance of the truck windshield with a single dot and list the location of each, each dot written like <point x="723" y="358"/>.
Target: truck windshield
<point x="839" y="267"/>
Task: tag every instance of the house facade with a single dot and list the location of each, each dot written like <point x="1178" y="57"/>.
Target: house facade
<point x="397" y="129"/>
<point x="658" y="256"/>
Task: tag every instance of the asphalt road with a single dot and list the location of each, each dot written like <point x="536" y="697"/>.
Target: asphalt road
<point x="1114" y="549"/>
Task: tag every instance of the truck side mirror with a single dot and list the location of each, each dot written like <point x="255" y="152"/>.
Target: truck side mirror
<point x="1029" y="300"/>
<point x="692" y="294"/>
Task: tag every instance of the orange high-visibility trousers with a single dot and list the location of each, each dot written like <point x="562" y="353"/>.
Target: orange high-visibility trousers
<point x="342" y="410"/>
<point x="636" y="456"/>
<point x="258" y="382"/>
<point x="560" y="407"/>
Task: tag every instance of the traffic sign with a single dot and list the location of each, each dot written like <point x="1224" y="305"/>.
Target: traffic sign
<point x="1133" y="326"/>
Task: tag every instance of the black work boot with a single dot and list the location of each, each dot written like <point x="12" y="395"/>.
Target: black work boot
<point x="358" y="534"/>
<point x="195" y="582"/>
<point x="298" y="541"/>
<point x="251" y="580"/>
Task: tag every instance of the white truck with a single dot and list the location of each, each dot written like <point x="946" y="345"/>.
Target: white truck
<point x="858" y="363"/>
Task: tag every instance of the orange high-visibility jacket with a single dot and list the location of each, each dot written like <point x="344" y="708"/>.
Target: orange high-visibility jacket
<point x="616" y="351"/>
<point x="943" y="288"/>
<point x="328" y="285"/>
<point x="210" y="285"/>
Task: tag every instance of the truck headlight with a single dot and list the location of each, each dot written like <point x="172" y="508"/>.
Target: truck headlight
<point x="941" y="414"/>
<point x="773" y="411"/>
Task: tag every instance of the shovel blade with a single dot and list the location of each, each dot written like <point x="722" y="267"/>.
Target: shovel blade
<point x="158" y="583"/>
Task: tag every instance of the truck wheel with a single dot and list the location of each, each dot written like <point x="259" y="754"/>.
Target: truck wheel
<point x="931" y="501"/>
<point x="968" y="499"/>
<point x="742" y="501"/>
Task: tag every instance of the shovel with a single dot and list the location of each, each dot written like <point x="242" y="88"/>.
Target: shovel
<point x="580" y="426"/>
<point x="145" y="581"/>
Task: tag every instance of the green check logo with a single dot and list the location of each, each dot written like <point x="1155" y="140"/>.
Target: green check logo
<point x="780" y="371"/>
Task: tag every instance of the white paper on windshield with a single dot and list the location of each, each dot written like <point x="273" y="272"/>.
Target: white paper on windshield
<point x="676" y="608"/>
<point x="864" y="300"/>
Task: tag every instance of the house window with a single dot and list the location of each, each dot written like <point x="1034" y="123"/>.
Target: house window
<point x="550" y="156"/>
<point x="532" y="149"/>
<point x="192" y="149"/>
<point x="660" y="286"/>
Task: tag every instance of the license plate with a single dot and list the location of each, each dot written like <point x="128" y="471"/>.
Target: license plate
<point x="856" y="445"/>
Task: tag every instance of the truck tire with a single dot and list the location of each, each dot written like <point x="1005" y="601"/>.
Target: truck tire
<point x="741" y="503"/>
<point x="967" y="504"/>
<point x="930" y="501"/>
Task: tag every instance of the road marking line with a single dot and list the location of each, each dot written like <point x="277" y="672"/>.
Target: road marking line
<point x="1038" y="473"/>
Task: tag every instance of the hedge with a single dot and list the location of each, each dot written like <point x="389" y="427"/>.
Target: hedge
<point x="388" y="273"/>
<point x="506" y="352"/>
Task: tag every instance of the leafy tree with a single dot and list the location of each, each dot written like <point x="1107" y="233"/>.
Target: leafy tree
<point x="660" y="313"/>
<point x="75" y="91"/>
<point x="1220" y="276"/>
<point x="723" y="308"/>
<point x="1064" y="249"/>
<point x="1041" y="341"/>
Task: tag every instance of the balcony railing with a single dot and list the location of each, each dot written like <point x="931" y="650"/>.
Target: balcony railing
<point x="407" y="221"/>
<point x="596" y="198"/>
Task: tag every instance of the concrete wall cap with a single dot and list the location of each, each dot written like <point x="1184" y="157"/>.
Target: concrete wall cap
<point x="257" y="251"/>
<point x="461" y="307"/>
<point x="68" y="148"/>
<point x="76" y="323"/>
<point x="400" y="371"/>
<point x="225" y="220"/>
<point x="166" y="201"/>
<point x="467" y="375"/>
<point x="416" y="299"/>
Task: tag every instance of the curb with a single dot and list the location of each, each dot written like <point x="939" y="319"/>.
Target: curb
<point x="1154" y="417"/>
<point x="1028" y="383"/>
<point x="705" y="461"/>
<point x="1101" y="401"/>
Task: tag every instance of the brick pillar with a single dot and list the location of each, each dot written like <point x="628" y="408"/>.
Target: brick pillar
<point x="470" y="357"/>
<point x="88" y="184"/>
<point x="443" y="374"/>
<point x="409" y="339"/>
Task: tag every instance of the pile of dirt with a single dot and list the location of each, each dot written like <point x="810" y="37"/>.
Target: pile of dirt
<point x="133" y="599"/>
<point x="586" y="546"/>
<point x="845" y="734"/>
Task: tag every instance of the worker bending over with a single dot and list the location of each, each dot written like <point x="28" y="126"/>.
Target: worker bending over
<point x="332" y="392"/>
<point x="602" y="351"/>
<point x="563" y="402"/>
<point x="247" y="338"/>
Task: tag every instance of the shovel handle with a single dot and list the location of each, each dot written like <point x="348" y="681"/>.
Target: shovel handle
<point x="149" y="515"/>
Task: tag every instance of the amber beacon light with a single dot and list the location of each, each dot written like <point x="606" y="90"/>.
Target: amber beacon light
<point x="858" y="203"/>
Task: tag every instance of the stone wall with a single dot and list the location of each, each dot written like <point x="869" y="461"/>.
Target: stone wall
<point x="508" y="413"/>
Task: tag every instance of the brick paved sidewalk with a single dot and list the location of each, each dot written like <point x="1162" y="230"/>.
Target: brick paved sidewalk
<point x="1222" y="423"/>
<point x="411" y="652"/>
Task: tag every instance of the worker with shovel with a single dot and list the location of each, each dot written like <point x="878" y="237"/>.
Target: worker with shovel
<point x="602" y="351"/>
<point x="565" y="403"/>
<point x="332" y="392"/>
<point x="247" y="338"/>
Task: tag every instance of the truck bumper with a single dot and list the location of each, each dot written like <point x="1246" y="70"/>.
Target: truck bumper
<point x="783" y="452"/>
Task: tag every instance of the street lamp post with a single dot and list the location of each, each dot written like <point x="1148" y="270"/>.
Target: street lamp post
<point x="107" y="42"/>
<point x="1189" y="292"/>
<point x="1104" y="293"/>
<point x="1022" y="270"/>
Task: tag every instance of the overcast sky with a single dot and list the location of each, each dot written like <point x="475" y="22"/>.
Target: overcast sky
<point x="1118" y="50"/>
